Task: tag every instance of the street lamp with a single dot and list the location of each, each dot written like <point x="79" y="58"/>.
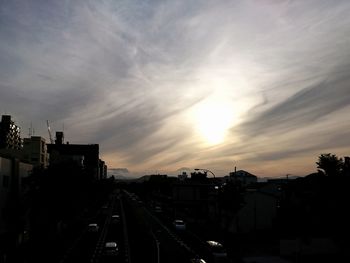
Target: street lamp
<point x="205" y="170"/>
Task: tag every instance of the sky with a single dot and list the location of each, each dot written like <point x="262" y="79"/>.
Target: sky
<point x="166" y="86"/>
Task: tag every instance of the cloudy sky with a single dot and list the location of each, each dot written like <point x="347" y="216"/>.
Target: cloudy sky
<point x="263" y="85"/>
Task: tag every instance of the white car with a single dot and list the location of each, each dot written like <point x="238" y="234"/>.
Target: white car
<point x="197" y="260"/>
<point x="110" y="249"/>
<point x="217" y="249"/>
<point x="93" y="228"/>
<point x="115" y="219"/>
<point x="158" y="209"/>
<point x="179" y="224"/>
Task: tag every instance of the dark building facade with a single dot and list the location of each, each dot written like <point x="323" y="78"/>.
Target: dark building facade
<point x="10" y="137"/>
<point x="84" y="155"/>
<point x="102" y="170"/>
<point x="35" y="151"/>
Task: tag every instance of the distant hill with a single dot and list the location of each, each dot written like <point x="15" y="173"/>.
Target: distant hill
<point x="142" y="179"/>
<point x="265" y="179"/>
<point x="120" y="177"/>
<point x="118" y="170"/>
<point x="129" y="179"/>
<point x="119" y="173"/>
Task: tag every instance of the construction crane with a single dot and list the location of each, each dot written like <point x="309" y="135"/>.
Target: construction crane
<point x="49" y="130"/>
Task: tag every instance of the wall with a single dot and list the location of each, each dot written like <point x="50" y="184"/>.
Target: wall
<point x="5" y="187"/>
<point x="12" y="171"/>
<point x="258" y="213"/>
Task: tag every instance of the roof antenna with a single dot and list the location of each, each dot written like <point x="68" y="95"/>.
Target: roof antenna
<point x="30" y="130"/>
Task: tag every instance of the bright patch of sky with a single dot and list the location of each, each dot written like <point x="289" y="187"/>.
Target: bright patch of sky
<point x="160" y="85"/>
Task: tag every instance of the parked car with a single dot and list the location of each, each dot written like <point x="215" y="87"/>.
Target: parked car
<point x="93" y="228"/>
<point x="179" y="224"/>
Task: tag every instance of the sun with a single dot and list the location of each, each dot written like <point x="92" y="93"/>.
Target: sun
<point x="213" y="118"/>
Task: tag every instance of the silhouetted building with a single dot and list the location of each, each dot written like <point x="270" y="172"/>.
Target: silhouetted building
<point x="346" y="168"/>
<point x="183" y="176"/>
<point x="243" y="177"/>
<point x="84" y="155"/>
<point x="191" y="197"/>
<point x="35" y="151"/>
<point x="59" y="137"/>
<point x="259" y="210"/>
<point x="199" y="176"/>
<point x="13" y="174"/>
<point x="10" y="137"/>
<point x="102" y="170"/>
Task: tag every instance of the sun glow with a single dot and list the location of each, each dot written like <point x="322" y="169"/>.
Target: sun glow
<point x="213" y="118"/>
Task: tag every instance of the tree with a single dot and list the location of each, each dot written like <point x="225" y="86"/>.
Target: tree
<point x="330" y="164"/>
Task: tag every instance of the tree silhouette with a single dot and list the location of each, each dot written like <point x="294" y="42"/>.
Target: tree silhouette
<point x="330" y="164"/>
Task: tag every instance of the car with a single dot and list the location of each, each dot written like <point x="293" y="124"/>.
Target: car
<point x="93" y="228"/>
<point x="115" y="219"/>
<point x="158" y="209"/>
<point x="179" y="224"/>
<point x="217" y="250"/>
<point x="110" y="249"/>
<point x="197" y="260"/>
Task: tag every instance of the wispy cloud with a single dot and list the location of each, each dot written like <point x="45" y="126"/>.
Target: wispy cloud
<point x="307" y="105"/>
<point x="127" y="74"/>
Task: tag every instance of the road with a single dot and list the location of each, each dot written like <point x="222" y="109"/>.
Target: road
<point x="89" y="246"/>
<point x="153" y="241"/>
<point x="142" y="233"/>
